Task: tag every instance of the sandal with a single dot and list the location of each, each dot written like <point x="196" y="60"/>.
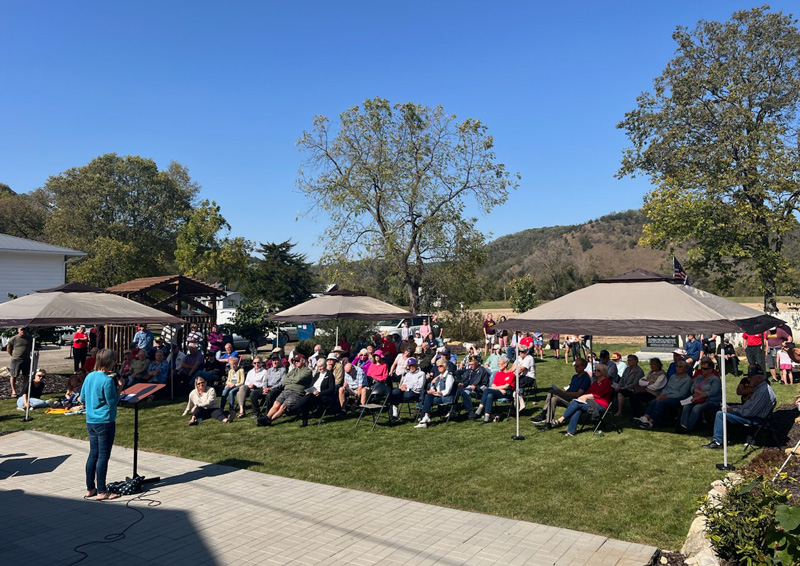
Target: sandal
<point x="90" y="493"/>
<point x="108" y="496"/>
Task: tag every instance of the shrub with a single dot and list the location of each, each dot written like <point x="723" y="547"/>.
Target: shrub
<point x="743" y="527"/>
<point x="464" y="326"/>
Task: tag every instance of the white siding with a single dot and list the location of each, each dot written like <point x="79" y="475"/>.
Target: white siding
<point x="23" y="273"/>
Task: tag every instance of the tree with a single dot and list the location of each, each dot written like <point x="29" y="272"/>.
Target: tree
<point x="523" y="294"/>
<point x="718" y="136"/>
<point x="281" y="279"/>
<point x="202" y="253"/>
<point x="123" y="212"/>
<point x="23" y="215"/>
<point x="394" y="181"/>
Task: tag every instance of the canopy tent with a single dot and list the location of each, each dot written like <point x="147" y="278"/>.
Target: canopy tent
<point x="73" y="288"/>
<point x="61" y="309"/>
<point x="644" y="303"/>
<point x="340" y="304"/>
<point x="641" y="308"/>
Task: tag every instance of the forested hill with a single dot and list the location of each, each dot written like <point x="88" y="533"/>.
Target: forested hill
<point x="564" y="258"/>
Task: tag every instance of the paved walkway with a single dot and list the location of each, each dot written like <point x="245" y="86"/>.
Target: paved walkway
<point x="213" y="514"/>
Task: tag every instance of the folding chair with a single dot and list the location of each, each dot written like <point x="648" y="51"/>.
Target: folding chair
<point x="766" y="423"/>
<point x="372" y="406"/>
<point x="607" y="415"/>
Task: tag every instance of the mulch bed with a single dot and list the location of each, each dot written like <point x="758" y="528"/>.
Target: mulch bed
<point x="766" y="463"/>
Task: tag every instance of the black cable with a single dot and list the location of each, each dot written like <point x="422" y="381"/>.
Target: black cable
<point x="114" y="537"/>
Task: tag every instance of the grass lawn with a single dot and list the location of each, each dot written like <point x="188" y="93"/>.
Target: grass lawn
<point x="639" y="486"/>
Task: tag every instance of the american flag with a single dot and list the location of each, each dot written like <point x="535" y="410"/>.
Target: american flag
<point x="678" y="272"/>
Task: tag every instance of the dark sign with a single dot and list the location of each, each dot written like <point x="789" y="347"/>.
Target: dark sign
<point x="665" y="341"/>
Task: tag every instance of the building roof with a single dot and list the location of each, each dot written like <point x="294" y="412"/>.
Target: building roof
<point x="15" y="244"/>
<point x="187" y="285"/>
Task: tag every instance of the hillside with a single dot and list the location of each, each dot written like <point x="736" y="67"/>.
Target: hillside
<point x="564" y="258"/>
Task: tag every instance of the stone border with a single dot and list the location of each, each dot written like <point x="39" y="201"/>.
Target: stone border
<point x="697" y="549"/>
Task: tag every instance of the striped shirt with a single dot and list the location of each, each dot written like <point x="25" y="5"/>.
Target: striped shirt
<point x="760" y="404"/>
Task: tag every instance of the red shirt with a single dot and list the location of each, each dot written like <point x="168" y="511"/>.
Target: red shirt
<point x="88" y="365"/>
<point x="504" y="378"/>
<point x="753" y="339"/>
<point x="80" y="341"/>
<point x="527" y="341"/>
<point x="602" y="391"/>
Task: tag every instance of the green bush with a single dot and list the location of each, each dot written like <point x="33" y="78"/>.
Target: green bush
<point x="464" y="326"/>
<point x="743" y="525"/>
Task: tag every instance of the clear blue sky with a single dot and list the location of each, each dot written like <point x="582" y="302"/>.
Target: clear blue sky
<point x="227" y="89"/>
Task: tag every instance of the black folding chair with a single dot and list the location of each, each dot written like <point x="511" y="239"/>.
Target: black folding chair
<point x="372" y="406"/>
<point x="605" y="417"/>
<point x="754" y="429"/>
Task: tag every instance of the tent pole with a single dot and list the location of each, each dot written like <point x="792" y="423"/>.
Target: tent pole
<point x="31" y="370"/>
<point x="725" y="465"/>
<point x="516" y="393"/>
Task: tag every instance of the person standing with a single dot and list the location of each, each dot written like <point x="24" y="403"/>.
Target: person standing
<point x="754" y="349"/>
<point x="100" y="395"/>
<point x="80" y="345"/>
<point x="19" y="348"/>
<point x="489" y="333"/>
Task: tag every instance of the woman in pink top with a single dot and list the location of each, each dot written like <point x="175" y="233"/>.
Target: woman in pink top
<point x="378" y="372"/>
<point x="425" y="329"/>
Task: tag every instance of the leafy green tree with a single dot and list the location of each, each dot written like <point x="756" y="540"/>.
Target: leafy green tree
<point x="394" y="180"/>
<point x="282" y="279"/>
<point x="201" y="252"/>
<point x="718" y="137"/>
<point x="250" y="319"/>
<point x="523" y="294"/>
<point x="123" y="212"/>
<point x="23" y="215"/>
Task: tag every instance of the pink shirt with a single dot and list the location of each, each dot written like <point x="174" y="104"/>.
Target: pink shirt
<point x="378" y="372"/>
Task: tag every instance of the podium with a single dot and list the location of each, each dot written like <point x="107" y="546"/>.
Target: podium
<point x="135" y="394"/>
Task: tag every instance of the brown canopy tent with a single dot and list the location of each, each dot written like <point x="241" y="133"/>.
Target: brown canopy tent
<point x="61" y="309"/>
<point x="643" y="303"/>
<point x="635" y="308"/>
<point x="340" y="304"/>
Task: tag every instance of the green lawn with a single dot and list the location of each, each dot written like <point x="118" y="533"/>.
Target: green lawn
<point x="638" y="486"/>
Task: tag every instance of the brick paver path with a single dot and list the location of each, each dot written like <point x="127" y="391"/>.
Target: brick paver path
<point x="212" y="514"/>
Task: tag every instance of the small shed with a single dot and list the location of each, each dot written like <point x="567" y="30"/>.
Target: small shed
<point x="178" y="295"/>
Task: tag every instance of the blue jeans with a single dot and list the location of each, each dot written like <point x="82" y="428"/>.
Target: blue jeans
<point x="489" y="395"/>
<point x="732" y="418"/>
<point x="101" y="439"/>
<point x="573" y="415"/>
<point x="432" y="400"/>
<point x="228" y="395"/>
<point x="691" y="413"/>
<point x="657" y="406"/>
<point x="466" y="397"/>
<point x="35" y="403"/>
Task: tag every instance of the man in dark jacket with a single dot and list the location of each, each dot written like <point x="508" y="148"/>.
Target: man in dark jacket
<point x="472" y="382"/>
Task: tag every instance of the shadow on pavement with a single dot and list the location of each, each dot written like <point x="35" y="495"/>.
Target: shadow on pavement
<point x="54" y="530"/>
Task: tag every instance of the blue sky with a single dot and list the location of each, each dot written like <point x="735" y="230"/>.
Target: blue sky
<point x="227" y="89"/>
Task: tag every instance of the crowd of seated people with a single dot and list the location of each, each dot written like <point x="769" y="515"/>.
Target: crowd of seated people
<point x="403" y="370"/>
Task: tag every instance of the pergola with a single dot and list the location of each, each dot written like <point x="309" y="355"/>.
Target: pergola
<point x="177" y="295"/>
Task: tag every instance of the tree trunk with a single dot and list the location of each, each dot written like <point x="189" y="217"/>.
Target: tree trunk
<point x="412" y="288"/>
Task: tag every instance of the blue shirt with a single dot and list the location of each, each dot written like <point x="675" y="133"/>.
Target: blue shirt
<point x="582" y="381"/>
<point x="99" y="395"/>
<point x="694" y="349"/>
<point x="143" y="340"/>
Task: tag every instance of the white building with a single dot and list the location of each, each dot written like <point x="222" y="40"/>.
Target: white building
<point x="27" y="265"/>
